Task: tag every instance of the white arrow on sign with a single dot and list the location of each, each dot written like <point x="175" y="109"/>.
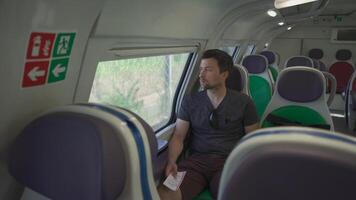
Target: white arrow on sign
<point x="58" y="69"/>
<point x="35" y="72"/>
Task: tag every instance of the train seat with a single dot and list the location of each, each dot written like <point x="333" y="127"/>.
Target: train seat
<point x="260" y="80"/>
<point x="308" y="62"/>
<point x="85" y="151"/>
<point x="350" y="103"/>
<point x="299" y="61"/>
<point x="238" y="79"/>
<point x="330" y="86"/>
<point x="298" y="103"/>
<point x="342" y="69"/>
<point x="272" y="63"/>
<point x="318" y="54"/>
<point x="322" y="66"/>
<point x="316" y="64"/>
<point x="278" y="60"/>
<point x="290" y="163"/>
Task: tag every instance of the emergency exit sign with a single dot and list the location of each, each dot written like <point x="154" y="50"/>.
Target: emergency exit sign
<point x="47" y="57"/>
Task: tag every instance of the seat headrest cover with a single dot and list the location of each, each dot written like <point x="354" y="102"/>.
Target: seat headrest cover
<point x="150" y="135"/>
<point x="322" y="66"/>
<point x="255" y="64"/>
<point x="144" y="177"/>
<point x="293" y="165"/>
<point x="69" y="156"/>
<point x="234" y="80"/>
<point x="316" y="54"/>
<point x="343" y="54"/>
<point x="316" y="64"/>
<point x="300" y="86"/>
<point x="271" y="57"/>
<point x="299" y="61"/>
<point x="342" y="71"/>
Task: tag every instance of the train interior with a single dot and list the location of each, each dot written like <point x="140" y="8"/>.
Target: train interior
<point x="141" y="57"/>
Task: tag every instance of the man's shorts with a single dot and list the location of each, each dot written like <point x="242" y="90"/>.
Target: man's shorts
<point x="203" y="171"/>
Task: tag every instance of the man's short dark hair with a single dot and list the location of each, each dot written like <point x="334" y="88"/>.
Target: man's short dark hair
<point x="224" y="59"/>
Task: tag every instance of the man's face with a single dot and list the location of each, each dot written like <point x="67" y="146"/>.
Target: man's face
<point x="210" y="76"/>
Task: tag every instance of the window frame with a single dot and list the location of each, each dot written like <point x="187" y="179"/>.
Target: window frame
<point x="114" y="48"/>
<point x="175" y="102"/>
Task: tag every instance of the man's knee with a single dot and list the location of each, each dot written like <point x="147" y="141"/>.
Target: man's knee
<point x="166" y="193"/>
<point x="214" y="185"/>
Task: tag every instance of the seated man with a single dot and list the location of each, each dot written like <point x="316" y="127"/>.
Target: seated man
<point x="218" y="118"/>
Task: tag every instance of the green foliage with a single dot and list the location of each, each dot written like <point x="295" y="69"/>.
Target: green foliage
<point x="144" y="85"/>
<point x="129" y="100"/>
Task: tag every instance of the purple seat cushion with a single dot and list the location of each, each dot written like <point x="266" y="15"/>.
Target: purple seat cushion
<point x="300" y="86"/>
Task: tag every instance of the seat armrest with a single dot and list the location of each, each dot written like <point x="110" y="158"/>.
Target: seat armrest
<point x="162" y="144"/>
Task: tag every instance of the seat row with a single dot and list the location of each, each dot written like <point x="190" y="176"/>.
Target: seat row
<point x="289" y="100"/>
<point x="96" y="152"/>
<point x="261" y="84"/>
<point x="342" y="68"/>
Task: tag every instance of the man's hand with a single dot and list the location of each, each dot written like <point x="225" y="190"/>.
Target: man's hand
<point x="175" y="146"/>
<point x="171" y="168"/>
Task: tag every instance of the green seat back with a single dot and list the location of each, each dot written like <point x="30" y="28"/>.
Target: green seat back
<point x="261" y="93"/>
<point x="204" y="195"/>
<point x="303" y="115"/>
<point x="274" y="73"/>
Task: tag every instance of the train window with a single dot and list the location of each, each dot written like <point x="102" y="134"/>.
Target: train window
<point x="250" y="50"/>
<point x="145" y="85"/>
<point x="229" y="50"/>
<point x="254" y="49"/>
<point x="236" y="53"/>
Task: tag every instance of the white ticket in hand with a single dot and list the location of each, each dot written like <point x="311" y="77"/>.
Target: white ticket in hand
<point x="174" y="183"/>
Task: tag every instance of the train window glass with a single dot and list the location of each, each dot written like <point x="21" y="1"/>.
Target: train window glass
<point x="254" y="49"/>
<point x="250" y="49"/>
<point x="236" y="53"/>
<point x="145" y="85"/>
<point x="229" y="50"/>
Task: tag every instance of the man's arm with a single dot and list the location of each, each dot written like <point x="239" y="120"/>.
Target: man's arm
<point x="175" y="146"/>
<point x="251" y="117"/>
<point x="253" y="127"/>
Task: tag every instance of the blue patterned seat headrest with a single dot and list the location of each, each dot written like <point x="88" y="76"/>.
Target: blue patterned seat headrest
<point x="316" y="64"/>
<point x="304" y="168"/>
<point x="69" y="156"/>
<point x="300" y="86"/>
<point x="271" y="57"/>
<point x="255" y="64"/>
<point x="299" y="61"/>
<point x="316" y="54"/>
<point x="343" y="54"/>
<point x="322" y="66"/>
<point x="150" y="135"/>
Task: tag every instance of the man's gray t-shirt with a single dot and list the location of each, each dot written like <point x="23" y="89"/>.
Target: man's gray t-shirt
<point x="234" y="113"/>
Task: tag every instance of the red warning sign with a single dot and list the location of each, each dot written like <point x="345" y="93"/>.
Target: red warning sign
<point x="40" y="45"/>
<point x="35" y="73"/>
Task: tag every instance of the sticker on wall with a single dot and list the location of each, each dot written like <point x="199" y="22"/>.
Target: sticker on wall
<point x="63" y="45"/>
<point x="58" y="70"/>
<point x="47" y="57"/>
<point x="35" y="73"/>
<point x="40" y="45"/>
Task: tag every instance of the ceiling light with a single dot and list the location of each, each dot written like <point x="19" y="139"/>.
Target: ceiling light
<point x="289" y="28"/>
<point x="280" y="23"/>
<point x="272" y="13"/>
<point x="288" y="3"/>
